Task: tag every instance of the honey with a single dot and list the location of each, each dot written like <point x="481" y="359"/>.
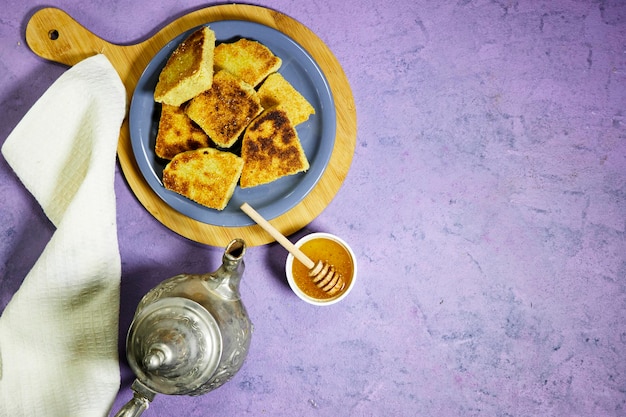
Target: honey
<point x="331" y="252"/>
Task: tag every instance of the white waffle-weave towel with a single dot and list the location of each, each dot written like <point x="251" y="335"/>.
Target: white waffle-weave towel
<point x="59" y="332"/>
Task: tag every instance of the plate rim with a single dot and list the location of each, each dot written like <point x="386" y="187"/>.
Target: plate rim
<point x="187" y="207"/>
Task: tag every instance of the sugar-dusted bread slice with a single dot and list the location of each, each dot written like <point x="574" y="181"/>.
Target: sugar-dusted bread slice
<point x="189" y="70"/>
<point x="225" y="110"/>
<point x="277" y="90"/>
<point x="246" y="59"/>
<point x="207" y="176"/>
<point x="177" y="133"/>
<point x="271" y="149"/>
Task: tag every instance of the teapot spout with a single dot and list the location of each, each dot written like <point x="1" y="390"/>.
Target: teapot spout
<point x="234" y="251"/>
<point x="140" y="402"/>
<point x="225" y="281"/>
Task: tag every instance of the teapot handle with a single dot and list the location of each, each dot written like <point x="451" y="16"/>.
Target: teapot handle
<point x="139" y="403"/>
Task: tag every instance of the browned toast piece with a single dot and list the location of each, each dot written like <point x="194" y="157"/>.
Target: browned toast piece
<point x="246" y="59"/>
<point x="207" y="176"/>
<point x="271" y="149"/>
<point x="189" y="70"/>
<point x="277" y="90"/>
<point x="225" y="110"/>
<point x="177" y="133"/>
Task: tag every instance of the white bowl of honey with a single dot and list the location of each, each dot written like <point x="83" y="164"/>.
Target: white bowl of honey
<point x="327" y="248"/>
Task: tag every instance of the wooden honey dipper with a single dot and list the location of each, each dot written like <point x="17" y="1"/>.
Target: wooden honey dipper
<point x="323" y="274"/>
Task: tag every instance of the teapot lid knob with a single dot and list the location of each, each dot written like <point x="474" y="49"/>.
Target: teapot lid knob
<point x="174" y="345"/>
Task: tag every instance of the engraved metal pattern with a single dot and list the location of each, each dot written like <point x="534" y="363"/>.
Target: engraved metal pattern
<point x="192" y="331"/>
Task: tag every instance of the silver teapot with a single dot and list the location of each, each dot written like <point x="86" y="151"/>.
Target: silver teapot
<point x="190" y="334"/>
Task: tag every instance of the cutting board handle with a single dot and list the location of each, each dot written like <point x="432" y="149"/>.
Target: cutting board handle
<point x="54" y="35"/>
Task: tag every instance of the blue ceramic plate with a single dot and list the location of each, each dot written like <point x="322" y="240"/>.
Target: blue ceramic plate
<point x="317" y="134"/>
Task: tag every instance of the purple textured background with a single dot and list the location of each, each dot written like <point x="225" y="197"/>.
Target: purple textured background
<point x="486" y="204"/>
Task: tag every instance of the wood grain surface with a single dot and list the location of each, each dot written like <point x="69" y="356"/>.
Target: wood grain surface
<point x="54" y="35"/>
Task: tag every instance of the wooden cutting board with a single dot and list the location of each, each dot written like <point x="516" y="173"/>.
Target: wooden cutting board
<point x="54" y="35"/>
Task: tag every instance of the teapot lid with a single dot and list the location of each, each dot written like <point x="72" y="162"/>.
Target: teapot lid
<point x="174" y="345"/>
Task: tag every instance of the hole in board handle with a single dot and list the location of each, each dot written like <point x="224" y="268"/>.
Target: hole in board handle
<point x="53" y="34"/>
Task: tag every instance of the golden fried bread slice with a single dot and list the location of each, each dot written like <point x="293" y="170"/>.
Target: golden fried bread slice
<point x="271" y="149"/>
<point x="189" y="70"/>
<point x="177" y="133"/>
<point x="225" y="110"/>
<point x="207" y="176"/>
<point x="246" y="59"/>
<point x="277" y="90"/>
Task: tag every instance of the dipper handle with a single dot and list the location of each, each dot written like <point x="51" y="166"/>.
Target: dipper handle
<point x="280" y="238"/>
